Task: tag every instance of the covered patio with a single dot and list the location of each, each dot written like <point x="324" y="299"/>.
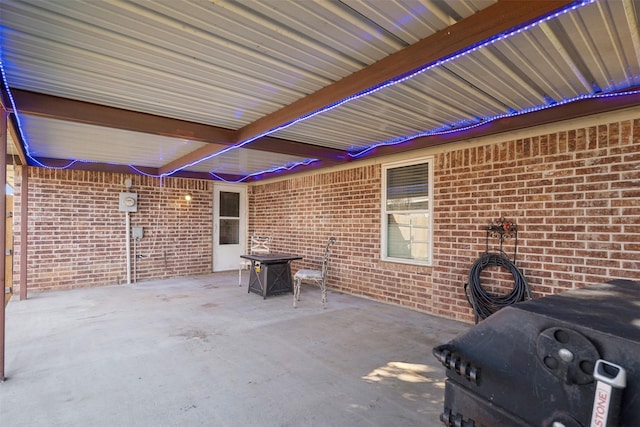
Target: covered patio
<point x="202" y="351"/>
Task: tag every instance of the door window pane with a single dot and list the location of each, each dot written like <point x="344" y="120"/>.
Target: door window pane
<point x="229" y="204"/>
<point x="229" y="231"/>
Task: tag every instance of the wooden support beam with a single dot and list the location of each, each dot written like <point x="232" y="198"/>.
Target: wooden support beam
<point x="483" y="25"/>
<point x="53" y="107"/>
<point x="284" y="146"/>
<point x="574" y="110"/>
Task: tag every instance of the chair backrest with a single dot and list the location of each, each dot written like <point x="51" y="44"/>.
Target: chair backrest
<point x="260" y="244"/>
<point x="325" y="259"/>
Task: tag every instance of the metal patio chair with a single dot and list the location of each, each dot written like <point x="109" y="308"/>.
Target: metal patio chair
<point x="317" y="277"/>
<point x="259" y="245"/>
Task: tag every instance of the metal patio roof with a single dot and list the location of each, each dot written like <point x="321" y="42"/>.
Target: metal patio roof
<point x="242" y="90"/>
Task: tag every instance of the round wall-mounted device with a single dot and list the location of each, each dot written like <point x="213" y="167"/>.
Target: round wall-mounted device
<point x="129" y="201"/>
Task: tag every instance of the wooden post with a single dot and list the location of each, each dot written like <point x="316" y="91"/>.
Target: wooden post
<point x="24" y="234"/>
<point x="3" y="231"/>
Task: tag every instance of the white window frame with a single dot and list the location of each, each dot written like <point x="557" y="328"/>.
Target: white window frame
<point x="384" y="213"/>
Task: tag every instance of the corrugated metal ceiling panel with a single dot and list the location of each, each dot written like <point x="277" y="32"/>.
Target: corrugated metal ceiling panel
<point x="229" y="63"/>
<point x="67" y="140"/>
<point x="245" y="162"/>
<point x="539" y="67"/>
<point x="255" y="57"/>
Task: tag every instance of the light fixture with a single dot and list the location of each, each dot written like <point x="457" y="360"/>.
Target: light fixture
<point x="188" y="197"/>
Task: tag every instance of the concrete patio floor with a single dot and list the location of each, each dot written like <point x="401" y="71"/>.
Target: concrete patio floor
<point x="201" y="351"/>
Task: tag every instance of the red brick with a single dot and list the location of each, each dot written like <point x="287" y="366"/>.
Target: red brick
<point x="573" y="195"/>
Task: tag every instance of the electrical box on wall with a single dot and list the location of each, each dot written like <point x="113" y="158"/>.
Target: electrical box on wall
<point x="128" y="202"/>
<point x="137" y="232"/>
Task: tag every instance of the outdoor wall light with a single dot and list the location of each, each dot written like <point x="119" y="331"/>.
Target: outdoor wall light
<point x="188" y="197"/>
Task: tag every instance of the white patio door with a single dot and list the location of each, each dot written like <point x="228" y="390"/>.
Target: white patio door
<point x="229" y="226"/>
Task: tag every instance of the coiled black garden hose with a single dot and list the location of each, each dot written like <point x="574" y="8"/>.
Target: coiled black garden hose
<point x="485" y="303"/>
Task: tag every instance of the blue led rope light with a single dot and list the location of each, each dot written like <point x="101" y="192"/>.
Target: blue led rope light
<point x="287" y="167"/>
<point x="394" y="81"/>
<point x="366" y="92"/>
<point x="419" y="71"/>
<point x="234" y="147"/>
<point x="132" y="167"/>
<point x="19" y="122"/>
<point x="453" y="129"/>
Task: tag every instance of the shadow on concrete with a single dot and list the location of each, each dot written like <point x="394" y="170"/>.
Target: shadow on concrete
<point x="202" y="351"/>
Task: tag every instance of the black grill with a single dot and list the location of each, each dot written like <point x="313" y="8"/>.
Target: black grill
<point x="533" y="363"/>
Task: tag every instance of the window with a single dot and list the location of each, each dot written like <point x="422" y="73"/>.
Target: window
<point x="229" y="214"/>
<point x="406" y="211"/>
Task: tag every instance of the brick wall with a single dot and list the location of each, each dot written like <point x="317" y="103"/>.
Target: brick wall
<point x="574" y="195"/>
<point x="77" y="233"/>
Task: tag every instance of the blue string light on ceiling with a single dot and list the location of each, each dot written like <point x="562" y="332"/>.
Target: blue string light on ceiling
<point x="361" y="151"/>
<point x="455" y="128"/>
<point x="496" y="38"/>
<point x="277" y="169"/>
